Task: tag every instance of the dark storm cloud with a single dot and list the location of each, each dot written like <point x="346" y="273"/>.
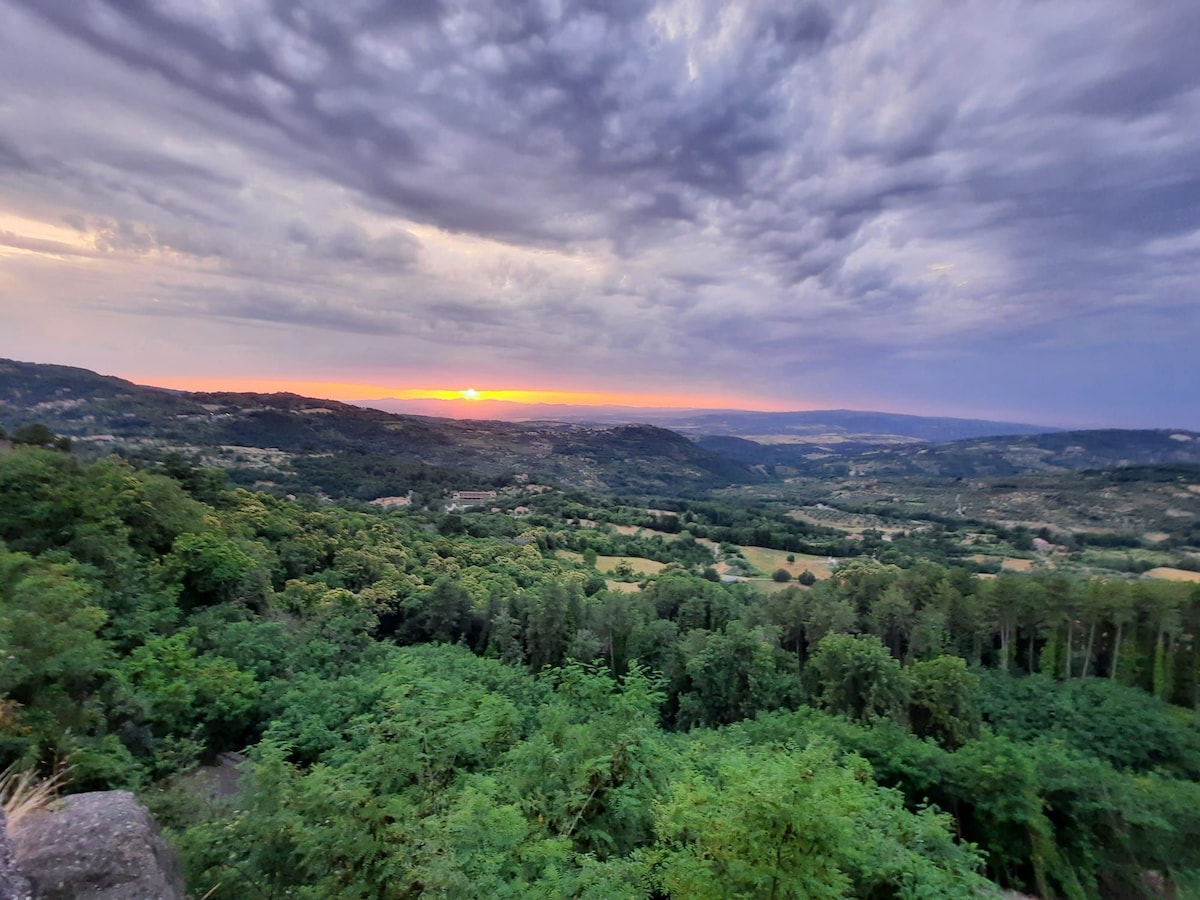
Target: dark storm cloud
<point x="773" y="188"/>
<point x="265" y="306"/>
<point x="510" y="80"/>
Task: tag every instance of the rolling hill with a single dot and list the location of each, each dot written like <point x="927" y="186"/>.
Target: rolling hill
<point x="1068" y="451"/>
<point x="338" y="448"/>
<point x="287" y="441"/>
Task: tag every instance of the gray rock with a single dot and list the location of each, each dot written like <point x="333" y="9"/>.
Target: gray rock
<point x="13" y="885"/>
<point x="99" y="846"/>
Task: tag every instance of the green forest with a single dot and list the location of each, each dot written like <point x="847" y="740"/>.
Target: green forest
<point x="450" y="705"/>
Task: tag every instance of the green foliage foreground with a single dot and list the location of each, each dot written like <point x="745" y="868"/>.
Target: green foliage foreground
<point x="462" y="780"/>
<point x="459" y="713"/>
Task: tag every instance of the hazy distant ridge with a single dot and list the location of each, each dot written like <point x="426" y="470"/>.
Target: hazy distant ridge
<point x="725" y="422"/>
<point x="851" y="422"/>
<point x="644" y="457"/>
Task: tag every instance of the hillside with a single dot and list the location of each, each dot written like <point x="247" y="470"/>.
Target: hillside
<point x="1064" y="451"/>
<point x="1061" y="451"/>
<point x="836" y="426"/>
<point x="293" y="443"/>
<point x="347" y="450"/>
<point x="1139" y="483"/>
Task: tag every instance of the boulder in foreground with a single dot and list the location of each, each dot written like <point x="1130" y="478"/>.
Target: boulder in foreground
<point x="97" y="846"/>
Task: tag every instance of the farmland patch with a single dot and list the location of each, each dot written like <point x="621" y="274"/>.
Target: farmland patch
<point x="1166" y="573"/>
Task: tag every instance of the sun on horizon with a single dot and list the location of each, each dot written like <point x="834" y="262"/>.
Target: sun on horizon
<point x="357" y="392"/>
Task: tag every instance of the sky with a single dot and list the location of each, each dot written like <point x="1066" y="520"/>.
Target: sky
<point x="954" y="208"/>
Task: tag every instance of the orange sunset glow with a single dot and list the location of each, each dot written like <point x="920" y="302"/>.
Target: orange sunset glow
<point x="350" y="391"/>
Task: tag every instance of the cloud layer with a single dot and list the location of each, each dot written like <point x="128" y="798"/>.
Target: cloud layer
<point x="923" y="206"/>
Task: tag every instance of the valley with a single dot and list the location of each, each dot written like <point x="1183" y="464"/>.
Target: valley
<point x="454" y="656"/>
<point x="1118" y="501"/>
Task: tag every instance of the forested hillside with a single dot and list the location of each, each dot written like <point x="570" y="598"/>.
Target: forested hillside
<point x="306" y="444"/>
<point x="1062" y="452"/>
<point x="462" y="705"/>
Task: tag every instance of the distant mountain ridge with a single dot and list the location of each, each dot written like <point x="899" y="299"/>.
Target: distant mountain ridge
<point x="377" y="447"/>
<point x="848" y="422"/>
<point x="1062" y="451"/>
<point x="345" y="449"/>
<point x="1018" y="454"/>
<point x="802" y="424"/>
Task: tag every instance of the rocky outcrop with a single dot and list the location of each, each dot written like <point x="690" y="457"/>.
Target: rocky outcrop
<point x="13" y="885"/>
<point x="99" y="846"/>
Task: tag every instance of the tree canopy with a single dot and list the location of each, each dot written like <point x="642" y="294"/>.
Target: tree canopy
<point x="464" y="708"/>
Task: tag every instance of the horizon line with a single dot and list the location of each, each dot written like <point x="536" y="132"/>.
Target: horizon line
<point x="462" y="399"/>
<point x="351" y="392"/>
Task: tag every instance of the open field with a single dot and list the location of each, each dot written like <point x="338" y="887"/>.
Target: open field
<point x="640" y="566"/>
<point x="1169" y="574"/>
<point x="767" y="586"/>
<point x="634" y="529"/>
<point x="1011" y="563"/>
<point x="605" y="564"/>
<point x="767" y="561"/>
<point x="850" y="522"/>
<point x="623" y="587"/>
<point x="1105" y="557"/>
<point x="1154" y="503"/>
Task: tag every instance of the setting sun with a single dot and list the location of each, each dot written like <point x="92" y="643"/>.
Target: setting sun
<point x="351" y="392"/>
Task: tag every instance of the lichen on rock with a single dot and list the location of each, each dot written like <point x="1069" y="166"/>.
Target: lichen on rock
<point x="13" y="885"/>
<point x="97" y="846"/>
